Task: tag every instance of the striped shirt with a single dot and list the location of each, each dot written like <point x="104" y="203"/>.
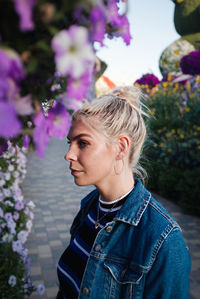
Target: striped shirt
<point x="72" y="263"/>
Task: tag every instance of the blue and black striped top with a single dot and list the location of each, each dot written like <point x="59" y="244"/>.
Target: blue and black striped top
<point x="73" y="261"/>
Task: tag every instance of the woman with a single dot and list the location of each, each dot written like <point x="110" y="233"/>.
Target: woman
<point x="124" y="244"/>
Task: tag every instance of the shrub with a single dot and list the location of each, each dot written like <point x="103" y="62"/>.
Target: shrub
<point x="173" y="148"/>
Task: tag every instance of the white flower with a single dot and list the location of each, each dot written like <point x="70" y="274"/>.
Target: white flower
<point x="22" y="236"/>
<point x="6" y="192"/>
<point x="31" y="204"/>
<point x="9" y="203"/>
<point x="12" y="280"/>
<point x="2" y="182"/>
<point x="73" y="51"/>
<point x="7" y="176"/>
<point x="17" y="246"/>
<point x="10" y="167"/>
<point x="16" y="174"/>
<point x="8" y="216"/>
<point x="40" y="289"/>
<point x="12" y="225"/>
<point x="29" y="225"/>
<point x="7" y="238"/>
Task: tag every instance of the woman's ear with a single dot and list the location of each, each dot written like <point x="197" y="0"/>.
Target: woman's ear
<point x="124" y="146"/>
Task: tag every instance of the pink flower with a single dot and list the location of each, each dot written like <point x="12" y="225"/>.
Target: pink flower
<point x="24" y="8"/>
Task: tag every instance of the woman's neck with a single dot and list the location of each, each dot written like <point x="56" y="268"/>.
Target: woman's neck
<point x="117" y="187"/>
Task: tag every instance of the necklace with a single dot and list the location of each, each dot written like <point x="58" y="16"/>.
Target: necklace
<point x="97" y="222"/>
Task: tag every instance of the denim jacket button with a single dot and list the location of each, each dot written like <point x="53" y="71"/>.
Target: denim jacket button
<point x="98" y="247"/>
<point x="85" y="291"/>
<point x="109" y="228"/>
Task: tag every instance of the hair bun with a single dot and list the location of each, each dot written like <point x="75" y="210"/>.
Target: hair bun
<point x="131" y="94"/>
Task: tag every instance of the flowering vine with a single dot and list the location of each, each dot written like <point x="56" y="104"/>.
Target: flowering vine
<point x="47" y="70"/>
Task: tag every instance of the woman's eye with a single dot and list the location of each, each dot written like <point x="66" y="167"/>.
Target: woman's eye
<point x="82" y="143"/>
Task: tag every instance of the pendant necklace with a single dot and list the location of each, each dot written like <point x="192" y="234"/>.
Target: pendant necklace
<point x="97" y="222"/>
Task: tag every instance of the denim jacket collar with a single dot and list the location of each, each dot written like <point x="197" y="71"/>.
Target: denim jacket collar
<point x="135" y="205"/>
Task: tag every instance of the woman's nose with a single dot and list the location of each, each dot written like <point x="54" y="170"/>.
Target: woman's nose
<point x="70" y="155"/>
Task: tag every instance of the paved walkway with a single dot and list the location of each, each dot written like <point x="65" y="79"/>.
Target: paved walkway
<point x="50" y="186"/>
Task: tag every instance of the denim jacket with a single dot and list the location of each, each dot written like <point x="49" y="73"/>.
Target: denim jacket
<point x="140" y="254"/>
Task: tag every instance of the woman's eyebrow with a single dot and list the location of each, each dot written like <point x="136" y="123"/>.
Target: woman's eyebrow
<point x="78" y="136"/>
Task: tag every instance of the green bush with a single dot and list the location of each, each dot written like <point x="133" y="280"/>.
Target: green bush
<point x="173" y="147"/>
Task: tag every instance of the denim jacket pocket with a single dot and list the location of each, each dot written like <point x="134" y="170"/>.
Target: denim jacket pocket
<point x="125" y="280"/>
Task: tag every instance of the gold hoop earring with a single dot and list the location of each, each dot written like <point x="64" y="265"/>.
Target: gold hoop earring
<point x="119" y="171"/>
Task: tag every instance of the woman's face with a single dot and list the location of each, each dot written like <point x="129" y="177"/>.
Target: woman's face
<point x="91" y="158"/>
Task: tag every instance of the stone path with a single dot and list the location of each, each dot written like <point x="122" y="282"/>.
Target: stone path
<point x="50" y="186"/>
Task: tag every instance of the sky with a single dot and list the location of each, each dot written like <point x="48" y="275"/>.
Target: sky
<point x="152" y="29"/>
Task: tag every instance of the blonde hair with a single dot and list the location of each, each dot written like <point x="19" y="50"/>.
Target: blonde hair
<point x="120" y="111"/>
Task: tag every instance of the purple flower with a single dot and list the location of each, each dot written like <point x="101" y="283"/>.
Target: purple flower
<point x="26" y="141"/>
<point x="9" y="123"/>
<point x="19" y="205"/>
<point x="123" y="29"/>
<point x="78" y="88"/>
<point x="190" y="64"/>
<point x="16" y="216"/>
<point x="98" y="20"/>
<point x="11" y="65"/>
<point x="5" y="64"/>
<point x="24" y="8"/>
<point x="55" y="125"/>
<point x="58" y="121"/>
<point x="148" y="79"/>
<point x="113" y="13"/>
<point x="73" y="51"/>
<point x="41" y="137"/>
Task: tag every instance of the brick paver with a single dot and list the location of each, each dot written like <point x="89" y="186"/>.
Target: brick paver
<point x="50" y="186"/>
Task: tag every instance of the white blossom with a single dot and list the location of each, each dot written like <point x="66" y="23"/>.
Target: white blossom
<point x="22" y="236"/>
<point x="12" y="280"/>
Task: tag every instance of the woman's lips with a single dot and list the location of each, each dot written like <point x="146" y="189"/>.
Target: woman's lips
<point x="75" y="171"/>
